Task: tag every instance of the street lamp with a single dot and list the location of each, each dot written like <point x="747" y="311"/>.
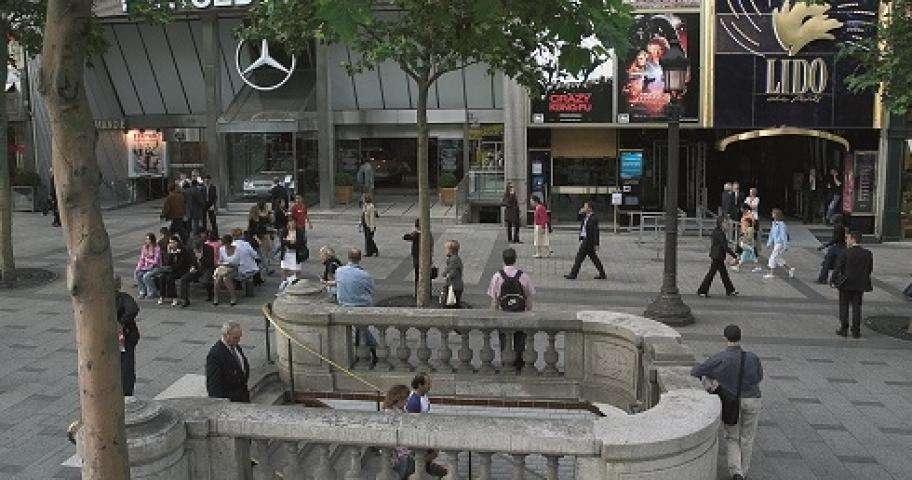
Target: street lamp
<point x="668" y="307"/>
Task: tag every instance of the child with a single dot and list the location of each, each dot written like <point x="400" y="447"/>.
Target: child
<point x="748" y="247"/>
<point x="778" y="241"/>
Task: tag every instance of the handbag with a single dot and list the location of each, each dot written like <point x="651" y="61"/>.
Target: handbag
<point x="451" y="297"/>
<point x="731" y="406"/>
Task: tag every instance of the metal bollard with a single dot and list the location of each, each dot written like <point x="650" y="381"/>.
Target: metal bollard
<point x="291" y="396"/>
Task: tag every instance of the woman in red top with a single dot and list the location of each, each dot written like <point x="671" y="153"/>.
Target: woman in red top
<point x="299" y="212"/>
<point x="542" y="239"/>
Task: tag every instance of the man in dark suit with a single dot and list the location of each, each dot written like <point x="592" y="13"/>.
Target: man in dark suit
<point x="589" y="243"/>
<point x="852" y="276"/>
<point x="227" y="369"/>
<point x="717" y="253"/>
<point x="725" y="205"/>
<point x="211" y="194"/>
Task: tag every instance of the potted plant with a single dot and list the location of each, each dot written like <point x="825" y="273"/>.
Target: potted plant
<point x="25" y="184"/>
<point x="447" y="189"/>
<point x="344" y="183"/>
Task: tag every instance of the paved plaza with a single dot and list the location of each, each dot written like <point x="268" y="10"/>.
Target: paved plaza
<point x="832" y="408"/>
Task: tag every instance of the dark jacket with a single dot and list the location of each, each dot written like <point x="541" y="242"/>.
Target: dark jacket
<point x="211" y="195"/>
<point x="728" y="201"/>
<point x="329" y="268"/>
<point x="737" y="198"/>
<point x="839" y="236"/>
<point x="511" y="208"/>
<point x="592" y="228"/>
<point x="206" y="263"/>
<point x="276" y="192"/>
<point x="174" y="206"/>
<point x="224" y="376"/>
<point x="299" y="245"/>
<point x="196" y="201"/>
<point x="724" y="366"/>
<point x="180" y="261"/>
<point x="719" y="247"/>
<point x="127" y="310"/>
<point x="855" y="265"/>
<point x="453" y="272"/>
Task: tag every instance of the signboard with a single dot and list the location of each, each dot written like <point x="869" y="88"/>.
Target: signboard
<point x="864" y="181"/>
<point x="617" y="198"/>
<point x="642" y="97"/>
<point x="848" y="183"/>
<point x="776" y="64"/>
<point x="449" y="154"/>
<point x="631" y="164"/>
<point x="147" y="153"/>
<point x="569" y="99"/>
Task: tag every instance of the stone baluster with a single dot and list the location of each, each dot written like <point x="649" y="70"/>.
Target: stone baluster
<point x="383" y="350"/>
<point x="518" y="470"/>
<point x="452" y="460"/>
<point x="507" y="353"/>
<point x="551" y="463"/>
<point x="322" y="468"/>
<point x="363" y="350"/>
<point x="445" y="354"/>
<point x="424" y="352"/>
<point x="403" y="352"/>
<point x="484" y="465"/>
<point x="551" y="356"/>
<point x="259" y="460"/>
<point x="353" y="456"/>
<point x="529" y="355"/>
<point x="420" y="469"/>
<point x="487" y="353"/>
<point x="293" y="462"/>
<point x="387" y="458"/>
<point x="465" y="352"/>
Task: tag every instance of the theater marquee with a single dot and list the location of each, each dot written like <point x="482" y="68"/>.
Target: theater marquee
<point x="776" y="63"/>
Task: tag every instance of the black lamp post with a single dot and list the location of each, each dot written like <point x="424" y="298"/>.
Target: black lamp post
<point x="668" y="307"/>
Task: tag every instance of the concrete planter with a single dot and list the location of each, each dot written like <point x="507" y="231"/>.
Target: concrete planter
<point x="344" y="194"/>
<point x="447" y="196"/>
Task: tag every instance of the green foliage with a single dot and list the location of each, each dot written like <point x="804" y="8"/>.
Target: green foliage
<point x="344" y="179"/>
<point x="447" y="180"/>
<point x="429" y="38"/>
<point x="23" y="21"/>
<point x="886" y="59"/>
<point x="25" y="178"/>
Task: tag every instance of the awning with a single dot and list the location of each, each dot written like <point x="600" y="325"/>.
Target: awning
<point x="775" y="132"/>
<point x="291" y="108"/>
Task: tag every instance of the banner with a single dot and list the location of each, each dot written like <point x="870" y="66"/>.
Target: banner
<point x="865" y="181"/>
<point x="147" y="153"/>
<point x="571" y="99"/>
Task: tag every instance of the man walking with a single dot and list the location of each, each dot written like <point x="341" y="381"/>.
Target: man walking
<point x="211" y="194"/>
<point x="737" y="374"/>
<point x="227" y="369"/>
<point x="852" y="276"/>
<point x="589" y="243"/>
<point x="726" y="202"/>
<point x="717" y="252"/>
<point x="365" y="180"/>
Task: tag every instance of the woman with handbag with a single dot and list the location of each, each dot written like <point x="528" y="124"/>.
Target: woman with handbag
<point x="453" y="275"/>
<point x="369" y="226"/>
<point x="542" y="239"/>
<point x="293" y="249"/>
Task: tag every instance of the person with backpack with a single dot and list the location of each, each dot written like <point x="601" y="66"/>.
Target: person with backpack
<point x="511" y="290"/>
<point x="127" y="336"/>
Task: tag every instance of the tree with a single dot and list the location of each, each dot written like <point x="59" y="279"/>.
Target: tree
<point x="20" y="20"/>
<point x="885" y="58"/>
<point x="429" y="38"/>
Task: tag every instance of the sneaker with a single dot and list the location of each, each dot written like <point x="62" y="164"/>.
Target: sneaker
<point x="769" y="275"/>
<point x="175" y="303"/>
<point x="757" y="269"/>
<point x="792" y="272"/>
<point x="161" y="301"/>
<point x="735" y="268"/>
<point x="535" y="255"/>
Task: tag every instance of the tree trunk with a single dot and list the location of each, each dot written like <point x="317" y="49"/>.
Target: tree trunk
<point x="424" y="207"/>
<point x="89" y="270"/>
<point x="7" y="265"/>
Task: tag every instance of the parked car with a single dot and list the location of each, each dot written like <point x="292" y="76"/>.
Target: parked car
<point x="259" y="184"/>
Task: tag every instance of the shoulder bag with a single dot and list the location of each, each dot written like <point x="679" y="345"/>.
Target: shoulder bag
<point x="731" y="406"/>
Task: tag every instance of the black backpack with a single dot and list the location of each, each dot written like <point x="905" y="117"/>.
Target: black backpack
<point x="512" y="297"/>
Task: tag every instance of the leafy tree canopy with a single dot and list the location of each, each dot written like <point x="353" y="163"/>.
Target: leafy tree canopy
<point x="886" y="58"/>
<point x="428" y="38"/>
<point x="23" y="21"/>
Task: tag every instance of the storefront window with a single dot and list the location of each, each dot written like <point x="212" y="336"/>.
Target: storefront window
<point x="255" y="160"/>
<point x="906" y="207"/>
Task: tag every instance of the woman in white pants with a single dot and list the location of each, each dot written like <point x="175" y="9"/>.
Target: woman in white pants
<point x="778" y="242"/>
<point x="542" y="240"/>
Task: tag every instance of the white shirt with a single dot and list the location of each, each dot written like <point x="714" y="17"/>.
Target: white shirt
<point x="754" y="205"/>
<point x="237" y="355"/>
<point x="244" y="257"/>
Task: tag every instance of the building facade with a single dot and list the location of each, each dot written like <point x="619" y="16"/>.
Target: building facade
<point x="765" y="105"/>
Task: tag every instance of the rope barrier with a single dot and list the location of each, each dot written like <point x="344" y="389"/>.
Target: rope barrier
<point x="267" y="313"/>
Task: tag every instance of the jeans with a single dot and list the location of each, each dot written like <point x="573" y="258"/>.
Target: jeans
<point x="150" y="279"/>
<point x="834" y="207"/>
<point x="739" y="438"/>
<point x="140" y="284"/>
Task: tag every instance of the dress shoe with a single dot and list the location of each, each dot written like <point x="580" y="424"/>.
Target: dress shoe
<point x="569" y="277"/>
<point x="704" y="295"/>
<point x="737" y="476"/>
<point x="733" y="293"/>
<point x="600" y="277"/>
<point x="856" y="334"/>
<point x="842" y="333"/>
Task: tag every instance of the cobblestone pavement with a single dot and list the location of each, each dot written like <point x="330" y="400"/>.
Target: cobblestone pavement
<point x="833" y="408"/>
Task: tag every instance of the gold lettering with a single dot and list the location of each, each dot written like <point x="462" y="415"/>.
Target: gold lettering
<point x="772" y="86"/>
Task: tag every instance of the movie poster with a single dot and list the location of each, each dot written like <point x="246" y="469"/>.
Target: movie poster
<point x="147" y="153"/>
<point x="642" y="97"/>
<point x="571" y="99"/>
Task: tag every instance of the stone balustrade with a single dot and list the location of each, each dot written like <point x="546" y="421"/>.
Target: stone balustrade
<point x="613" y="361"/>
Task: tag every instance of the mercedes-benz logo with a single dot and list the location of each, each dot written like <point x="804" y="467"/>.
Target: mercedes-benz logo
<point x="264" y="61"/>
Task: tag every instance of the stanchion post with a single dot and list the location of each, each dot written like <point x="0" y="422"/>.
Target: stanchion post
<point x="268" y="353"/>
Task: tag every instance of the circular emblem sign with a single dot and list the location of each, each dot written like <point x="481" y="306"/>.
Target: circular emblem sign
<point x="264" y="61"/>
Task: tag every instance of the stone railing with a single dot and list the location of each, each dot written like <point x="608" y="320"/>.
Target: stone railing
<point x="612" y="360"/>
<point x="595" y="356"/>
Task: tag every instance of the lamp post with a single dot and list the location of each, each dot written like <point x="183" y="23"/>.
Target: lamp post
<point x="668" y="307"/>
